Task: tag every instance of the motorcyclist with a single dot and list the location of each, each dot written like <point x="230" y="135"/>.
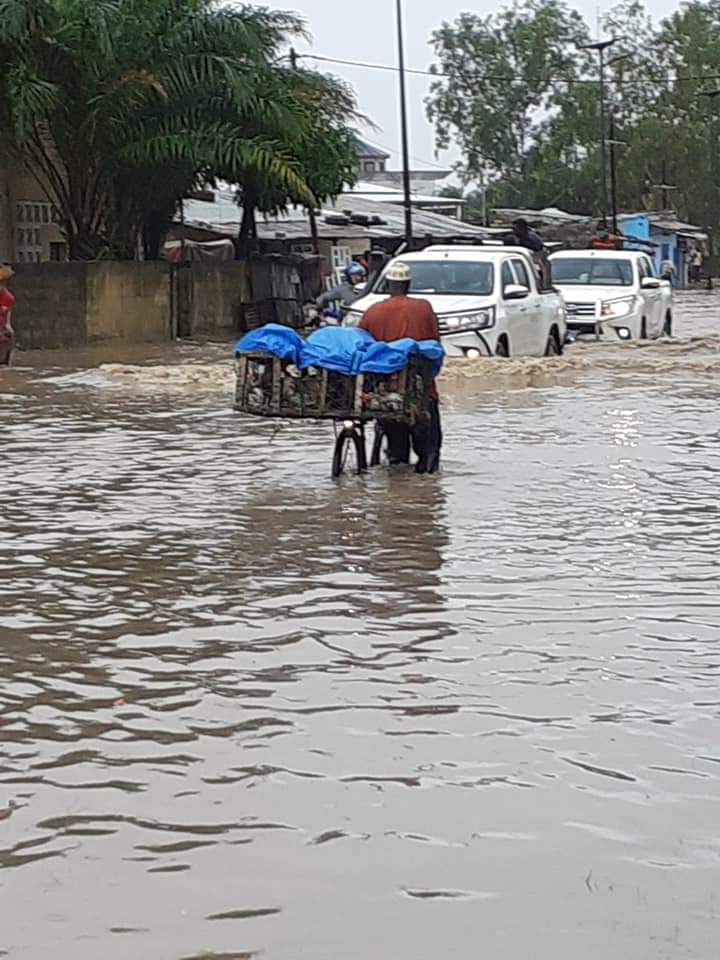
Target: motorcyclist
<point x="348" y="291"/>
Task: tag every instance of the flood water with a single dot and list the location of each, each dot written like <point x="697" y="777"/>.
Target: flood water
<point x="246" y="711"/>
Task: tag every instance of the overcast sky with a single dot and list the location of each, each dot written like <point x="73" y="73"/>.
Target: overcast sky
<point x="366" y="31"/>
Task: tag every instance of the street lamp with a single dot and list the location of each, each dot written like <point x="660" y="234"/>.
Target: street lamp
<point x="613" y="143"/>
<point x="601" y="46"/>
<point x="404" y="128"/>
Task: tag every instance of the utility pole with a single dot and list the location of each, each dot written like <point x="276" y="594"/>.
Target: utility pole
<point x="712" y="206"/>
<point x="601" y="46"/>
<point x="613" y="174"/>
<point x="312" y="216"/>
<point x="404" y="128"/>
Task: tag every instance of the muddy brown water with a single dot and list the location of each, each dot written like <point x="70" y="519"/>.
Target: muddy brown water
<point x="245" y="711"/>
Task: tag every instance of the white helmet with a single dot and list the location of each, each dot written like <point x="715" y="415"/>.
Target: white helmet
<point x="398" y="272"/>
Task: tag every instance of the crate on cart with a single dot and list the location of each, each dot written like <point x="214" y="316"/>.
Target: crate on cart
<point x="269" y="387"/>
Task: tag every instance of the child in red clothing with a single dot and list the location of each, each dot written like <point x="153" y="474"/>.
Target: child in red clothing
<point x="7" y="302"/>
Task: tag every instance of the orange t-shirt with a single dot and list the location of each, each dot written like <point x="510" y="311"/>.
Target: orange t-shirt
<point x="401" y="317"/>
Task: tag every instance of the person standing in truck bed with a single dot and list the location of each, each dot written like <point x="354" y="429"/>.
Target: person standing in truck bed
<point x="397" y="318"/>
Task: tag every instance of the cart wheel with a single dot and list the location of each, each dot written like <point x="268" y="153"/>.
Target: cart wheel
<point x="349" y="456"/>
<point x="380" y="445"/>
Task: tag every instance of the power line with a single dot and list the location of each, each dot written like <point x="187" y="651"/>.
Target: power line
<point x="507" y="78"/>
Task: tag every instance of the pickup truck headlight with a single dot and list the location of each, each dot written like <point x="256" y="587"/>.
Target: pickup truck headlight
<point x="477" y="320"/>
<point x="619" y="308"/>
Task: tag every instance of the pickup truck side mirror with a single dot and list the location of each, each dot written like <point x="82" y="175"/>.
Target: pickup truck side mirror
<point x="650" y="283"/>
<point x="513" y="291"/>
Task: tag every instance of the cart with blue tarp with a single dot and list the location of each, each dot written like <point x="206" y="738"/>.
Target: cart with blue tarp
<point x="340" y="374"/>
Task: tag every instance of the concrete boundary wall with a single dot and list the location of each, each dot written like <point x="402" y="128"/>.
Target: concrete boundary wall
<point x="74" y="304"/>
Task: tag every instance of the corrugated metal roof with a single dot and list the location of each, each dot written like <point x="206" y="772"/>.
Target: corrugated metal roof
<point x="223" y="217"/>
<point x="549" y="214"/>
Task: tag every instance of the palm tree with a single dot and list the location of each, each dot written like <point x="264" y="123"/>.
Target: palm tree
<point x="322" y="145"/>
<point x="118" y="107"/>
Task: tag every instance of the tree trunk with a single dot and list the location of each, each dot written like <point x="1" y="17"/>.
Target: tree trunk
<point x="314" y="231"/>
<point x="152" y="234"/>
<point x="247" y="226"/>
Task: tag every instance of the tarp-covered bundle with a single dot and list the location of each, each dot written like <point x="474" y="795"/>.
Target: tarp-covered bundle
<point x="345" y="350"/>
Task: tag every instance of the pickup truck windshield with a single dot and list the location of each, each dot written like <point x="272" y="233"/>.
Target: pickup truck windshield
<point x="592" y="272"/>
<point x="458" y="277"/>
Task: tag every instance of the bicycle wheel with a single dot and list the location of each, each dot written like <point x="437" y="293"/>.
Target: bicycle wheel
<point x="349" y="456"/>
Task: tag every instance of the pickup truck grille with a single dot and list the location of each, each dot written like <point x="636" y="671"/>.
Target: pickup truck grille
<point x="581" y="310"/>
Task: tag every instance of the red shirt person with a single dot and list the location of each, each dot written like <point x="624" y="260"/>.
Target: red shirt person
<point x="7" y="302"/>
<point x="397" y="318"/>
<point x="604" y="239"/>
<point x="401" y="316"/>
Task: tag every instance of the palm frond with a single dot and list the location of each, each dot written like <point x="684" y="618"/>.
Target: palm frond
<point x="225" y="149"/>
<point x="23" y="19"/>
<point x="32" y="99"/>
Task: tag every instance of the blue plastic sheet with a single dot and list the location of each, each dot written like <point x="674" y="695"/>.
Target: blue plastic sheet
<point x="340" y="349"/>
<point x="346" y="350"/>
<point x="393" y="357"/>
<point x="273" y="338"/>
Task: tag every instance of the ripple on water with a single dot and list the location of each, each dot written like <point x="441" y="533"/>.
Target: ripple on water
<point x="244" y="711"/>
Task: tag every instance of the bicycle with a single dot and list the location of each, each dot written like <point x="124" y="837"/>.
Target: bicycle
<point x="349" y="442"/>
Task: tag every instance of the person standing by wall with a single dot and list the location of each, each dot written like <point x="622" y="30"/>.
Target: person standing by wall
<point x="7" y="302"/>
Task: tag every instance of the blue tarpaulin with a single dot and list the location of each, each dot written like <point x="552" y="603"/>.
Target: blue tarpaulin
<point x="345" y="350"/>
<point x="273" y="338"/>
<point x="392" y="357"/>
<point x="340" y="349"/>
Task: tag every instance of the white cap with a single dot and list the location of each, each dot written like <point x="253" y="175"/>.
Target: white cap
<point x="398" y="272"/>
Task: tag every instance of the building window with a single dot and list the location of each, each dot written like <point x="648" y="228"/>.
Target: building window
<point x="58" y="252"/>
<point x="369" y="166"/>
<point x="29" y="238"/>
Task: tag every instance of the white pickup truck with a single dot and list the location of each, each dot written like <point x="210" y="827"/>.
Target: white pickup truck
<point x="486" y="298"/>
<point x="614" y="291"/>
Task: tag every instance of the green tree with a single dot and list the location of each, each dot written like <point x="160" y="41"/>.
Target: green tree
<point x="119" y="107"/>
<point x="323" y="146"/>
<point x="656" y="73"/>
<point x="496" y="75"/>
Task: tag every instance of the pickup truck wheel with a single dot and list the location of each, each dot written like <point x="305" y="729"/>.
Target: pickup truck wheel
<point x="668" y="328"/>
<point x="553" y="348"/>
<point x="502" y="349"/>
<point x="643" y="329"/>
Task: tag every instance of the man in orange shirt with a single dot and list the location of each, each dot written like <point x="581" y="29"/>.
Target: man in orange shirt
<point x="397" y="318"/>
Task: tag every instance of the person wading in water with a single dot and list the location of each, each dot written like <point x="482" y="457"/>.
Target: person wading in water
<point x="7" y="302"/>
<point x="397" y="318"/>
